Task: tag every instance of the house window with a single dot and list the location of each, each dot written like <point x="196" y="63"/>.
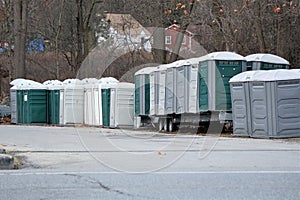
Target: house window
<point x="184" y="40"/>
<point x="168" y="39"/>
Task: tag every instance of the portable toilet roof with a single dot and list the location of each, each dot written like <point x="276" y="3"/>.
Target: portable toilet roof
<point x="243" y="77"/>
<point x="222" y="55"/>
<point x="276" y="75"/>
<point x="17" y="81"/>
<point x="88" y="81"/>
<point x="268" y="58"/>
<point x="54" y="84"/>
<point x="107" y="80"/>
<point x="146" y="70"/>
<point x="72" y="82"/>
<point x="28" y="84"/>
<point x="266" y="75"/>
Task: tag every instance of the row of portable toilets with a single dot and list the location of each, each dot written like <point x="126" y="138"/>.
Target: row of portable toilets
<point x="104" y="102"/>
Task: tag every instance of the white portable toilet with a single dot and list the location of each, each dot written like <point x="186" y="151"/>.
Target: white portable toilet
<point x="122" y="106"/>
<point x="73" y="96"/>
<point x="117" y="104"/>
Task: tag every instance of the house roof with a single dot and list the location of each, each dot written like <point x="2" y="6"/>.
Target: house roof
<point x="126" y="24"/>
<point x="176" y="27"/>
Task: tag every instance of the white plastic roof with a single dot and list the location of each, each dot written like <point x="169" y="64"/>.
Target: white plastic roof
<point x="266" y="75"/>
<point x="17" y="81"/>
<point x="268" y="58"/>
<point x="146" y="70"/>
<point x="107" y="80"/>
<point x="222" y="55"/>
<point x="72" y="82"/>
<point x="90" y="80"/>
<point x="23" y="84"/>
<point x="53" y="84"/>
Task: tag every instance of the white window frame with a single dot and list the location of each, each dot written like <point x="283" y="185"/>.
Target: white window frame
<point x="168" y="39"/>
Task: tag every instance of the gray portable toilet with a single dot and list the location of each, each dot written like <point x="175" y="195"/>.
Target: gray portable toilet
<point x="240" y="101"/>
<point x="13" y="98"/>
<point x="273" y="104"/>
<point x="158" y="90"/>
<point x="263" y="61"/>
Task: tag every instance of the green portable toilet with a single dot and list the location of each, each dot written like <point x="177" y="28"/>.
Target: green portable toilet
<point x="214" y="72"/>
<point x="53" y="100"/>
<point x="263" y="61"/>
<point x="31" y="103"/>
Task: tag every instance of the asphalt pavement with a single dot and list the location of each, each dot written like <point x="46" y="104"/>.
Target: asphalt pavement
<point x="95" y="163"/>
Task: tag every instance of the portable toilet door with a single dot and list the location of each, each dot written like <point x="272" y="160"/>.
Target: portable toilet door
<point x="262" y="61"/>
<point x="171" y="89"/>
<point x="240" y="98"/>
<point x="88" y="105"/>
<point x="54" y="98"/>
<point x="182" y="86"/>
<point x="122" y="105"/>
<point x="192" y="82"/>
<point x="97" y="104"/>
<point x="14" y="105"/>
<point x="106" y="106"/>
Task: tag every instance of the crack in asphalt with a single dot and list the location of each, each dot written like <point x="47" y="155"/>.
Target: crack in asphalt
<point x="103" y="186"/>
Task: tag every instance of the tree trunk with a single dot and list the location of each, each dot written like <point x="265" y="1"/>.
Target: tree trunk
<point x="20" y="29"/>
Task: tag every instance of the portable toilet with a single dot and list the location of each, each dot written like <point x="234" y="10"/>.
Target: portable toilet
<point x="55" y="101"/>
<point x="158" y="90"/>
<point x="274" y="104"/>
<point x="262" y="61"/>
<point x="117" y="104"/>
<point x="13" y="98"/>
<point x="142" y="95"/>
<point x="73" y="102"/>
<point x="29" y="103"/>
<point x="142" y="91"/>
<point x="215" y="70"/>
<point x="122" y="105"/>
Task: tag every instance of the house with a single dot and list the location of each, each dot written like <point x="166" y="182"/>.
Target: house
<point x="193" y="36"/>
<point x="171" y="35"/>
<point x="127" y="32"/>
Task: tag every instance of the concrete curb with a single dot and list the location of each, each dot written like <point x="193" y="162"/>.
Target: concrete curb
<point x="6" y="161"/>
